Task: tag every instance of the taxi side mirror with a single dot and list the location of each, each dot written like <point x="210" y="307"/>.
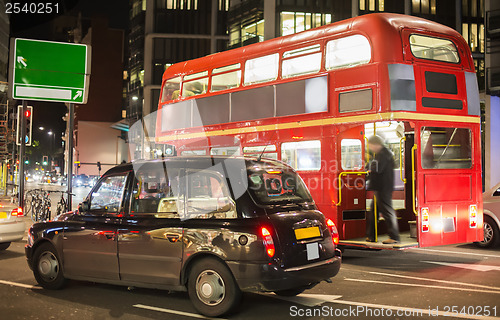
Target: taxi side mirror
<point x="83" y="206"/>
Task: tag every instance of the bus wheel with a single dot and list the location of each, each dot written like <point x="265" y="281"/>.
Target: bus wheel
<point x="491" y="234"/>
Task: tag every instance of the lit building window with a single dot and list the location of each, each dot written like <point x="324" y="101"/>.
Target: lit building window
<point x="474" y="35"/>
<point x="293" y="22"/>
<point x="372" y="5"/>
<point x="423" y="6"/>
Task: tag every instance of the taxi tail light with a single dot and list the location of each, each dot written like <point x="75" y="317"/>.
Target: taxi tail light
<point x="268" y="241"/>
<point x="17" y="212"/>
<point x="333" y="230"/>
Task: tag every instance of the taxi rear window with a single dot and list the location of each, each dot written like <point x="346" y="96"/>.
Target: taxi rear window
<point x="433" y="48"/>
<point x="277" y="186"/>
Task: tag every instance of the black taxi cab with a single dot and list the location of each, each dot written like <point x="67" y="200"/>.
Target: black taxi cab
<point x="214" y="226"/>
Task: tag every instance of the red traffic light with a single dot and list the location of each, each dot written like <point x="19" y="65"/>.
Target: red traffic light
<point x="27" y="114"/>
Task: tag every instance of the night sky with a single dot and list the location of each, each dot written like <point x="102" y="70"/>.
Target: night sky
<point x="37" y="26"/>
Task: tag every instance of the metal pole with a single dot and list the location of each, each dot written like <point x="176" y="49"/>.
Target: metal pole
<point x="22" y="150"/>
<point x="71" y="129"/>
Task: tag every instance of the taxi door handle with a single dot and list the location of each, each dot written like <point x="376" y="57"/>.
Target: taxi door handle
<point x="172" y="237"/>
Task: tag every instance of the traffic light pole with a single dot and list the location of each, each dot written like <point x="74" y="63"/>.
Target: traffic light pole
<point x="22" y="151"/>
<point x="71" y="129"/>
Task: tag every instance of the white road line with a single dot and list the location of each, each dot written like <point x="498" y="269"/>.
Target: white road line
<point x="468" y="266"/>
<point x="435" y="280"/>
<point x="424" y="286"/>
<point x="179" y="313"/>
<point x="415" y="311"/>
<point x="306" y="299"/>
<point x="20" y="285"/>
<point x="456" y="252"/>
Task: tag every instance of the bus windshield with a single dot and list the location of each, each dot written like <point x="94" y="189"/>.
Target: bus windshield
<point x="277" y="186"/>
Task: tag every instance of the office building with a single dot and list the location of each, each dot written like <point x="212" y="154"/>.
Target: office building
<point x="161" y="33"/>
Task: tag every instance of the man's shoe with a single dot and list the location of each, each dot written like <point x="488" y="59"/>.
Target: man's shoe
<point x="369" y="240"/>
<point x="390" y="241"/>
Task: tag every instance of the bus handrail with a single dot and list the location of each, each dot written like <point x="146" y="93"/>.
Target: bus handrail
<point x="340" y="182"/>
<point x="414" y="198"/>
<point x="401" y="159"/>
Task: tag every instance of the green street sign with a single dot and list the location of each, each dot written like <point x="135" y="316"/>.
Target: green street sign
<point x="49" y="71"/>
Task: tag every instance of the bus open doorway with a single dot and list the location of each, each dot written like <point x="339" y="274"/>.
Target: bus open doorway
<point x="356" y="203"/>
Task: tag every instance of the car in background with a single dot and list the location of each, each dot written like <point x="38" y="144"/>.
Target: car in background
<point x="12" y="226"/>
<point x="212" y="226"/>
<point x="81" y="180"/>
<point x="491" y="214"/>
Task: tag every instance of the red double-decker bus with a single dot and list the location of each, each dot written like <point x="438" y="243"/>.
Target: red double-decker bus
<point x="311" y="100"/>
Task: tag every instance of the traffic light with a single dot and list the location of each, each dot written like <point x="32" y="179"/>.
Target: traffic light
<point x="99" y="166"/>
<point x="45" y="160"/>
<point x="28" y="116"/>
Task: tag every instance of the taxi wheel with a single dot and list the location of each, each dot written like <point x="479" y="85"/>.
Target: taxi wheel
<point x="47" y="267"/>
<point x="491" y="234"/>
<point x="212" y="288"/>
<point x="4" y="246"/>
<point x="290" y="292"/>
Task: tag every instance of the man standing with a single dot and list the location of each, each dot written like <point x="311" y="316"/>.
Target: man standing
<point x="381" y="181"/>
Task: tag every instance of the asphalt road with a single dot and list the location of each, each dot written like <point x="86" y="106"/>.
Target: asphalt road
<point x="457" y="282"/>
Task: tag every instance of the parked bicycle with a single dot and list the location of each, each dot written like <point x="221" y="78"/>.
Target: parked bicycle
<point x="62" y="204"/>
<point x="38" y="203"/>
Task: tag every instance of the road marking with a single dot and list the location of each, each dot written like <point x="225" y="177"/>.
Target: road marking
<point x="456" y="252"/>
<point x="423" y="286"/>
<point x="179" y="313"/>
<point x="306" y="299"/>
<point x="435" y="280"/>
<point x="475" y="267"/>
<point x="415" y="311"/>
<point x="20" y="285"/>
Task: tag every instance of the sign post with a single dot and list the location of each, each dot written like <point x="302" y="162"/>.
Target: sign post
<point x="22" y="149"/>
<point x="48" y="71"/>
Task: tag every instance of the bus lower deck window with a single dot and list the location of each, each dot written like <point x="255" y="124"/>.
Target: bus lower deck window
<point x="302" y="155"/>
<point x="446" y="148"/>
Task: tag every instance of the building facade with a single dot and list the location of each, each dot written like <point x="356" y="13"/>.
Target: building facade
<point x="163" y="32"/>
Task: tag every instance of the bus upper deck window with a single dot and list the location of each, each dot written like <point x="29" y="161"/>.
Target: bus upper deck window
<point x="261" y="69"/>
<point x="195" y="84"/>
<point x="227" y="77"/>
<point x="301" y="61"/>
<point x="432" y="48"/>
<point x="171" y="89"/>
<point x="348" y="52"/>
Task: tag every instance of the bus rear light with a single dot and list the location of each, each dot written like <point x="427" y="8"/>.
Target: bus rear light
<point x="333" y="230"/>
<point x="268" y="241"/>
<point x="17" y="212"/>
<point x="473" y="216"/>
<point x="425" y="219"/>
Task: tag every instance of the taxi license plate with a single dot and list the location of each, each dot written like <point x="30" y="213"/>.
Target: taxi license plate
<point x="3" y="215"/>
<point x="307" y="233"/>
